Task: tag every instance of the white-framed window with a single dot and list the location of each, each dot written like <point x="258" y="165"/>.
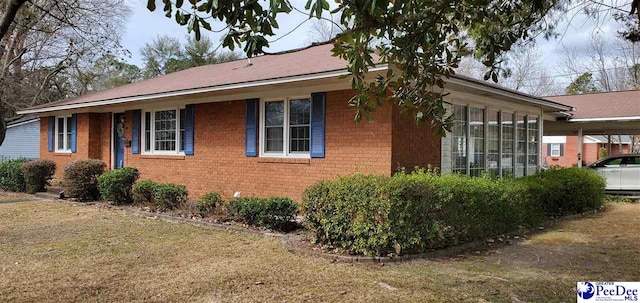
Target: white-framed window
<point x="63" y="134"/>
<point x="285" y="127"/>
<point x="163" y="131"/>
<point x="555" y="149"/>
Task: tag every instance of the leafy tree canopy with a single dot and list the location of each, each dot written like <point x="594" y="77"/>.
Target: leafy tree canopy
<point x="584" y="84"/>
<point x="424" y="39"/>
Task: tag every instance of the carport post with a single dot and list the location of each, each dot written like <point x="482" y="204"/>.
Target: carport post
<point x="580" y="139"/>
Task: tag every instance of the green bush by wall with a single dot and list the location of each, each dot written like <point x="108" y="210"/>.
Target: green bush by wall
<point x="37" y="174"/>
<point x="11" y="178"/>
<point x="81" y="179"/>
<point x="411" y="213"/>
<point x="274" y="213"/>
<point x="116" y="185"/>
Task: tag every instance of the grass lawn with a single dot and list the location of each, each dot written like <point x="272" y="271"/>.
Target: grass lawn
<point x="55" y="252"/>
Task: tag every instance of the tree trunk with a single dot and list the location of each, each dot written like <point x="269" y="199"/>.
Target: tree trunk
<point x="3" y="129"/>
<point x="10" y="12"/>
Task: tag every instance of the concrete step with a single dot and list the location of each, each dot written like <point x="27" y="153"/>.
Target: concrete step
<point x="55" y="189"/>
<point x="48" y="196"/>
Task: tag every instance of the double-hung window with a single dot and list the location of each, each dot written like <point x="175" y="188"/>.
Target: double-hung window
<point x="163" y="131"/>
<point x="63" y="134"/>
<point x="555" y="150"/>
<point x="285" y="128"/>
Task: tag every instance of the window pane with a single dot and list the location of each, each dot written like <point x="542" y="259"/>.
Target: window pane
<point x="299" y="125"/>
<point x="274" y="139"/>
<point x="274" y="126"/>
<point x="147" y="131"/>
<point x="507" y="145"/>
<point x="60" y="132"/>
<point x="532" y="158"/>
<point x="165" y="130"/>
<point x="521" y="133"/>
<point x="274" y="113"/>
<point x="459" y="139"/>
<point x="477" y="141"/>
<point x="493" y="143"/>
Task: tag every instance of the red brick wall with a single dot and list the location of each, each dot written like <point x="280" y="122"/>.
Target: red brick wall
<point x="88" y="140"/>
<point x="413" y="145"/>
<point x="220" y="164"/>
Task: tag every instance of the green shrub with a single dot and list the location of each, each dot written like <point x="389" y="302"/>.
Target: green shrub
<point x="563" y="191"/>
<point x="37" y="174"/>
<point x="144" y="191"/>
<point x="11" y="178"/>
<point x="116" y="185"/>
<point x="274" y="213"/>
<point x="411" y="213"/>
<point x="208" y="203"/>
<point x="81" y="179"/>
<point x="169" y="196"/>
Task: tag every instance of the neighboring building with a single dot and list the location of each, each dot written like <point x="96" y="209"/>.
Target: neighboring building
<point x="563" y="150"/>
<point x="596" y="117"/>
<point x="22" y="139"/>
<point x="282" y="122"/>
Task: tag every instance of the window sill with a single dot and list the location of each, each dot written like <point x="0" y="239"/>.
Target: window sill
<point x="285" y="160"/>
<point x="167" y="157"/>
<point x="62" y="154"/>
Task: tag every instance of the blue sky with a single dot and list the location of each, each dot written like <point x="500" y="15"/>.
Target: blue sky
<point x="144" y="26"/>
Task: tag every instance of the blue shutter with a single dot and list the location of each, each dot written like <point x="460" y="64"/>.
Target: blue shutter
<point x="52" y="127"/>
<point x="251" y="128"/>
<point x="135" y="132"/>
<point x="189" y="113"/>
<point x="317" y="125"/>
<point x="561" y="149"/>
<point x="549" y="149"/>
<point x="74" y="132"/>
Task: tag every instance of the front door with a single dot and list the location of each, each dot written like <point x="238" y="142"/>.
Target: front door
<point x="118" y="135"/>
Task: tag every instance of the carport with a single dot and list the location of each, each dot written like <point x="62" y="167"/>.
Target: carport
<point x="612" y="113"/>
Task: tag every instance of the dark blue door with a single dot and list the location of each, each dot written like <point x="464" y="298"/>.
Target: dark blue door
<point x="118" y="144"/>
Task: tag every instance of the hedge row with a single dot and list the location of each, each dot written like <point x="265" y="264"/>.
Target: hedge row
<point x="411" y="213"/>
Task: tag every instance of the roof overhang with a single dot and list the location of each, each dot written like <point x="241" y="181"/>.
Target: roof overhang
<point x="456" y="82"/>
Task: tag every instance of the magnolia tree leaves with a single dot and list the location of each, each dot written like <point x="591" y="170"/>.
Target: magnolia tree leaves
<point x="423" y="39"/>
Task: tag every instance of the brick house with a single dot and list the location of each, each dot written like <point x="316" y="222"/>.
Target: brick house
<point x="563" y="150"/>
<point x="276" y="124"/>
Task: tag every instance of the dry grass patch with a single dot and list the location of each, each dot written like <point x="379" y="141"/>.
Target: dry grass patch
<point x="55" y="252"/>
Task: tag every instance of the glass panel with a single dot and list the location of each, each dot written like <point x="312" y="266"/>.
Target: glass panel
<point x="459" y="139"/>
<point x="274" y="126"/>
<point x="493" y="143"/>
<point x="299" y="125"/>
<point x="555" y="150"/>
<point x="274" y="113"/>
<point x="476" y="161"/>
<point x="147" y="131"/>
<point x="274" y="139"/>
<point x="507" y="145"/>
<point x="165" y="130"/>
<point x="521" y="144"/>
<point x="182" y="116"/>
<point x="532" y="157"/>
<point x="60" y="133"/>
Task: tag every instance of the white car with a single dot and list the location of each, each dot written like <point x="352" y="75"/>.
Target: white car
<point x="622" y="172"/>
